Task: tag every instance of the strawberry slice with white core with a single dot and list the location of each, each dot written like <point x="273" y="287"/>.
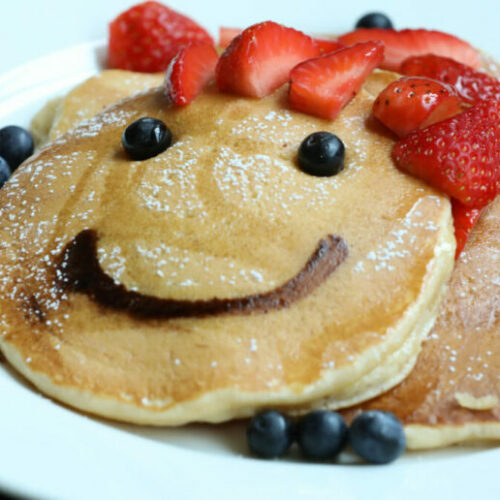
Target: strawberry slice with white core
<point x="189" y="71"/>
<point x="399" y="45"/>
<point x="260" y="58"/>
<point x="324" y="85"/>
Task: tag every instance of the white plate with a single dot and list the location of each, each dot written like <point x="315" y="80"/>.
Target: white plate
<point x="47" y="450"/>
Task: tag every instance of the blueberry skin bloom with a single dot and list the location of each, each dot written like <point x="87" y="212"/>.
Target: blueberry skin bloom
<point x="16" y="144"/>
<point x="269" y="434"/>
<point x="377" y="436"/>
<point x="321" y="434"/>
<point x="321" y="154"/>
<point x="145" y="138"/>
<point x="374" y="20"/>
<point x="4" y="172"/>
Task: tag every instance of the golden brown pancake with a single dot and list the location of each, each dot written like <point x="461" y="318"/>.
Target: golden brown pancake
<point x="224" y="213"/>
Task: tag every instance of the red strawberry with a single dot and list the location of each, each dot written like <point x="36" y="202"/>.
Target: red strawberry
<point x="464" y="219"/>
<point x="411" y="103"/>
<point x="471" y="85"/>
<point x="324" y="85"/>
<point x="260" y="58"/>
<point x="189" y="71"/>
<point x="399" y="45"/>
<point x="460" y="156"/>
<point x="326" y="45"/>
<point x="147" y="36"/>
<point x="226" y="35"/>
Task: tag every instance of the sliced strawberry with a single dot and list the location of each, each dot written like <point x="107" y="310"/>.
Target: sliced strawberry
<point x="460" y="156"/>
<point x="399" y="45"/>
<point x="147" y="36"/>
<point x="324" y="85"/>
<point x="326" y="45"/>
<point x="411" y="103"/>
<point x="260" y="58"/>
<point x="226" y="35"/>
<point x="189" y="71"/>
<point x="464" y="219"/>
<point x="471" y="85"/>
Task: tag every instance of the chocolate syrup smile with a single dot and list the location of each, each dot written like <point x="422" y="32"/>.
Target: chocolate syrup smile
<point x="80" y="271"/>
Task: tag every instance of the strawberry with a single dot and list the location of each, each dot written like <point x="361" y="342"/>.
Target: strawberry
<point x="147" y="36"/>
<point x="260" y="58"/>
<point x="324" y="85"/>
<point x="412" y="102"/>
<point x="189" y="71"/>
<point x="226" y="35"/>
<point x="326" y="45"/>
<point x="460" y="156"/>
<point x="464" y="219"/>
<point x="399" y="45"/>
<point x="471" y="85"/>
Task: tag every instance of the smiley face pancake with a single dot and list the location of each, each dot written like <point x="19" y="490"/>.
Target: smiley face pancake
<point x="354" y="265"/>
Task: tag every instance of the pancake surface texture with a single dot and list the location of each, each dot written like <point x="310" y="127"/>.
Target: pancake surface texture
<point x="225" y="212"/>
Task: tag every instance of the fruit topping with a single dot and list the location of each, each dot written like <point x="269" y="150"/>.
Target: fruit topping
<point x="471" y="85"/>
<point x="400" y="45"/>
<point x="226" y="35"/>
<point x="321" y="154"/>
<point x="414" y="102"/>
<point x="321" y="434"/>
<point x="464" y="219"/>
<point x="189" y="71"/>
<point x="260" y="58"/>
<point x="374" y="20"/>
<point x="326" y="45"/>
<point x="460" y="156"/>
<point x="145" y="138"/>
<point x="269" y="434"/>
<point x="16" y="144"/>
<point x="377" y="436"/>
<point x="147" y="36"/>
<point x="4" y="172"/>
<point x="324" y="85"/>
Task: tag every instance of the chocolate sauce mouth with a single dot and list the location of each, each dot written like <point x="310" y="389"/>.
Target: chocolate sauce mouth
<point x="80" y="271"/>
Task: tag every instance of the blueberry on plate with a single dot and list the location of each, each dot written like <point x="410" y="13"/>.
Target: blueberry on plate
<point x="145" y="138"/>
<point x="321" y="154"/>
<point x="16" y="144"/>
<point x="377" y="436"/>
<point x="4" y="172"/>
<point x="374" y="20"/>
<point x="269" y="434"/>
<point x="321" y="434"/>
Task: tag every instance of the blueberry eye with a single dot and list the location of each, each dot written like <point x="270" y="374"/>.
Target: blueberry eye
<point x="145" y="138"/>
<point x="16" y="144"/>
<point x="374" y="20"/>
<point x="321" y="154"/>
<point x="4" y="172"/>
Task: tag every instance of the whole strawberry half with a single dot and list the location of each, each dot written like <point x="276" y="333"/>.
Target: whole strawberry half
<point x="324" y="85"/>
<point x="471" y="85"/>
<point x="147" y="36"/>
<point x="399" y="45"/>
<point x="411" y="103"/>
<point x="260" y="58"/>
<point x="189" y="71"/>
<point x="460" y="156"/>
<point x="464" y="219"/>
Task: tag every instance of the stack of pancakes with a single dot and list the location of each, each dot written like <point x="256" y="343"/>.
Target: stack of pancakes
<point x="219" y="279"/>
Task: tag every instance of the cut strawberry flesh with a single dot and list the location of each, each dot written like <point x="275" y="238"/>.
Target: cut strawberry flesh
<point x="399" y="45"/>
<point x="324" y="85"/>
<point x="227" y="35"/>
<point x="326" y="45"/>
<point x="464" y="220"/>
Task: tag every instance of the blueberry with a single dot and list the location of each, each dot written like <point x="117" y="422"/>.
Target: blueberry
<point x="374" y="20"/>
<point x="321" y="154"/>
<point x="377" y="436"/>
<point x="321" y="434"/>
<point x="269" y="434"/>
<point x="4" y="172"/>
<point x="145" y="138"/>
<point x="16" y="144"/>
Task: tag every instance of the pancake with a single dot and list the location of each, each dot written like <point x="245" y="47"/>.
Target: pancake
<point x="224" y="213"/>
